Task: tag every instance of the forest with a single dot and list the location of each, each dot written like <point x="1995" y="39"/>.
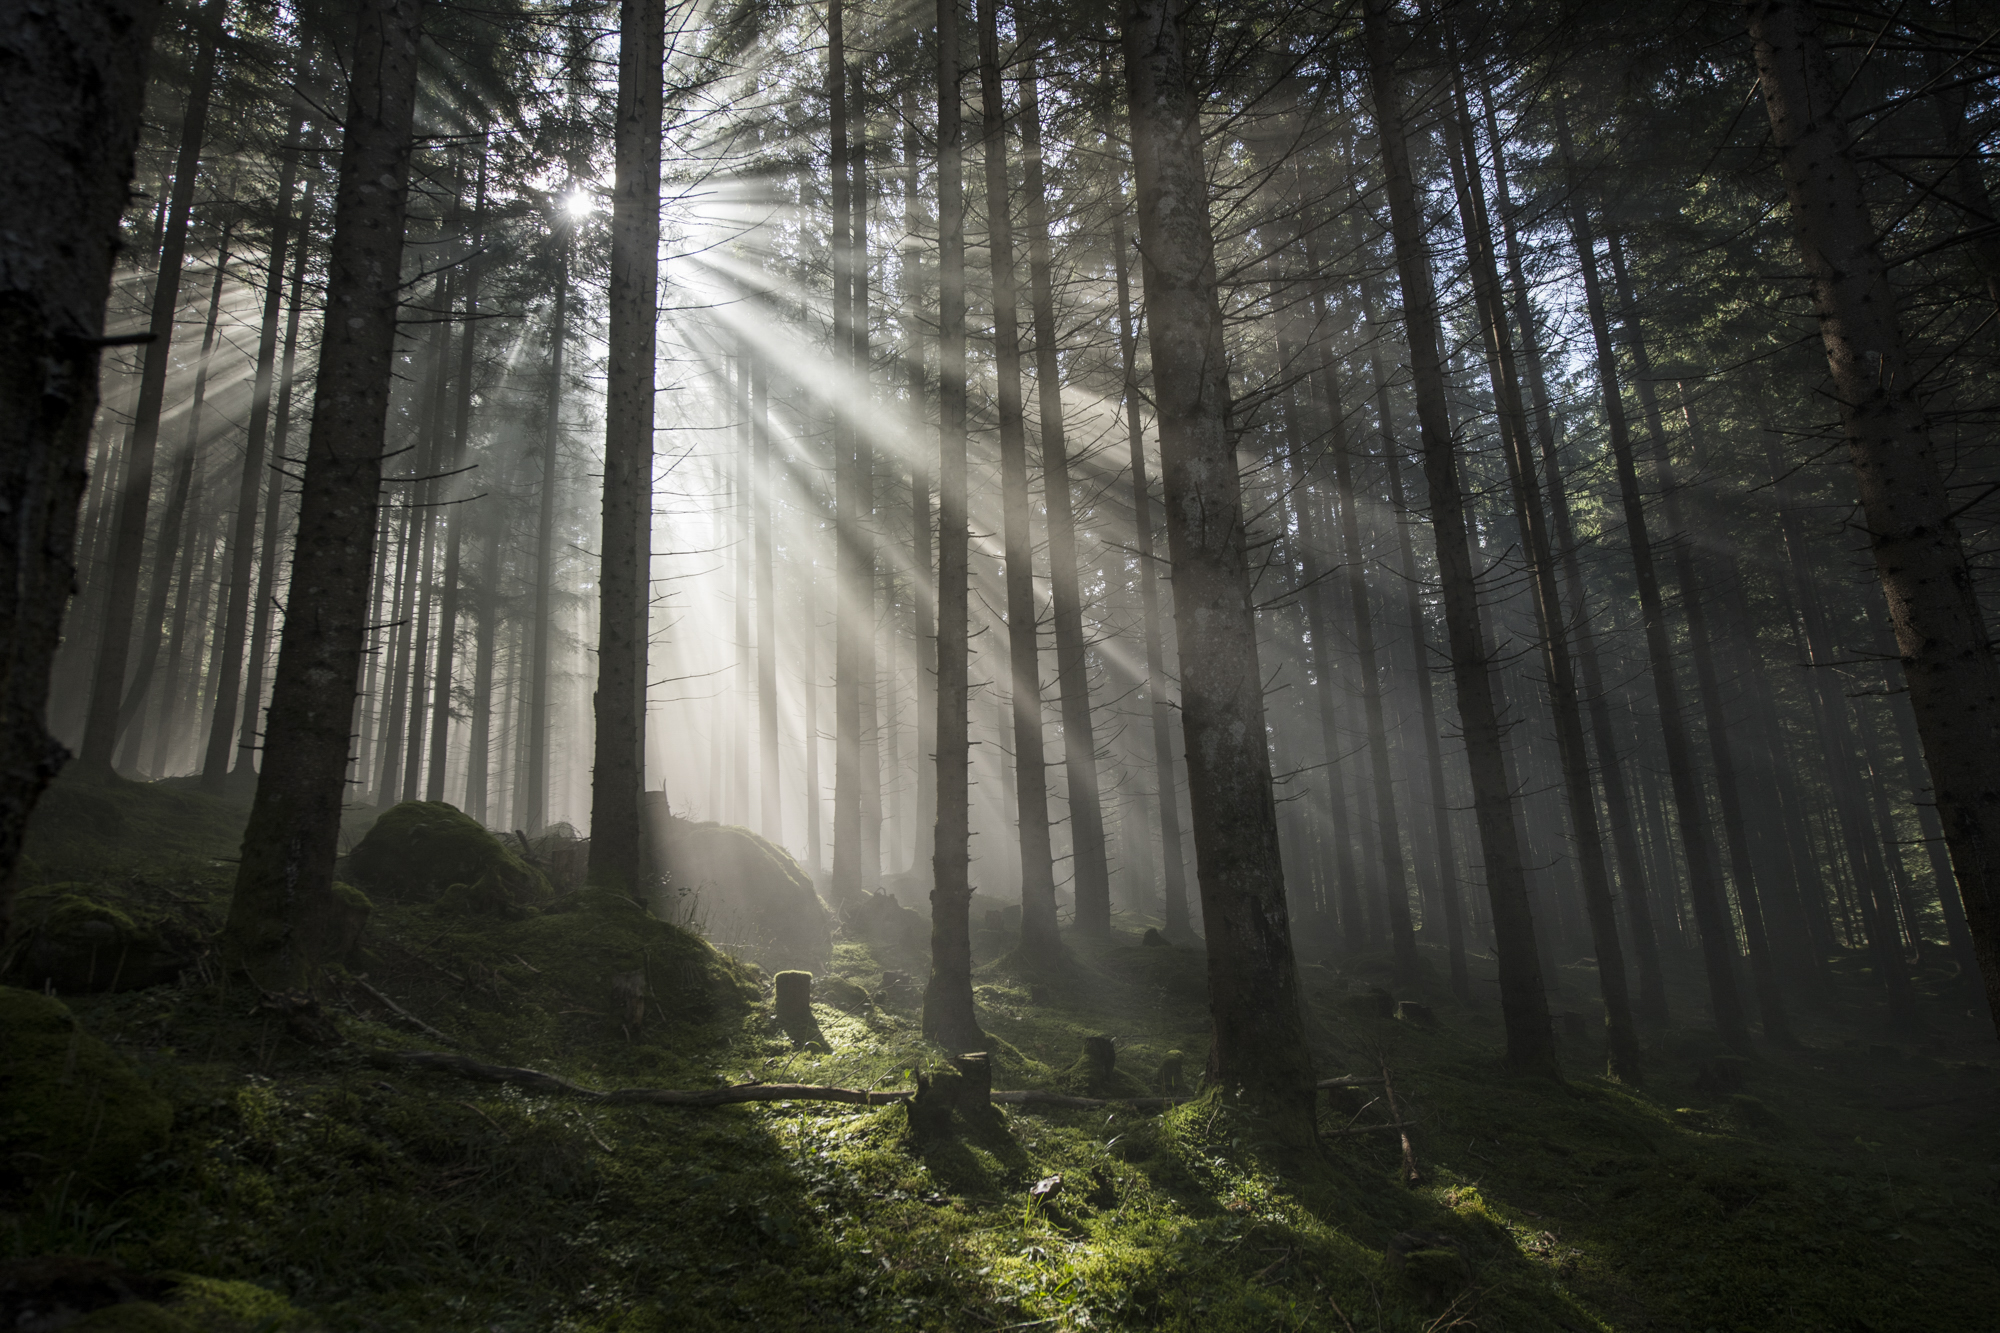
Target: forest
<point x="986" y="664"/>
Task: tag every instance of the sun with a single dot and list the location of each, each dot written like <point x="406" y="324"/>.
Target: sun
<point x="579" y="203"/>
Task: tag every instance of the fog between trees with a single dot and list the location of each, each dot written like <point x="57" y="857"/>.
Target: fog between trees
<point x="1492" y="485"/>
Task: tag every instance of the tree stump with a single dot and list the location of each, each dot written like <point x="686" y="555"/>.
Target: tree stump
<point x="794" y="1000"/>
<point x="976" y="1069"/>
<point x="1102" y="1056"/>
<point x="1415" y="1014"/>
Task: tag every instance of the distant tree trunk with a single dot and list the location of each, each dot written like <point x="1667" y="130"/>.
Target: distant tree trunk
<point x="618" y="775"/>
<point x="230" y="632"/>
<point x="285" y="916"/>
<point x="1708" y="686"/>
<point x="424" y="519"/>
<point x="949" y="1018"/>
<point x="763" y="478"/>
<point x="486" y="629"/>
<point x="1836" y="724"/>
<point x="1172" y="862"/>
<point x="1652" y="997"/>
<point x="1573" y="759"/>
<point x="1452" y="909"/>
<point x="455" y="518"/>
<point x="1253" y="993"/>
<point x="121" y="583"/>
<point x="173" y="544"/>
<point x="1948" y="657"/>
<point x="1319" y="626"/>
<point x="1713" y="926"/>
<point x="742" y="520"/>
<point x="1530" y="1041"/>
<point x="531" y="804"/>
<point x="852" y="626"/>
<point x="923" y="590"/>
<point x="868" y="733"/>
<point x="245" y="768"/>
<point x="1086" y="812"/>
<point x="166" y="707"/>
<point x="392" y="687"/>
<point x="1038" y="888"/>
<point x="815" y="797"/>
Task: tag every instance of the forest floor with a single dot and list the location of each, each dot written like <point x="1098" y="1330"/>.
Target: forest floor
<point x="1851" y="1183"/>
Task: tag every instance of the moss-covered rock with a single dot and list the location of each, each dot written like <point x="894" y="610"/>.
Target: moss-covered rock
<point x="74" y="938"/>
<point x="739" y="890"/>
<point x="68" y="1102"/>
<point x="420" y="850"/>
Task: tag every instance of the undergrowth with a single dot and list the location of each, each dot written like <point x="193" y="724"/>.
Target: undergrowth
<point x="1848" y="1185"/>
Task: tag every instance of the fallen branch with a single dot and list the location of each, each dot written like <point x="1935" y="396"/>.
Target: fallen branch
<point x="403" y="1013"/>
<point x="1367" y="1129"/>
<point x="1347" y="1081"/>
<point x="1069" y="1103"/>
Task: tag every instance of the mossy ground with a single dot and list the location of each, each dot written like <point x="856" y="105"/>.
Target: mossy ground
<point x="1849" y="1185"/>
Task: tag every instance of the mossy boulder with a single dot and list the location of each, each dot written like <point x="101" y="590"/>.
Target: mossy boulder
<point x="73" y="938"/>
<point x="431" y="852"/>
<point x="68" y="1102"/>
<point x="740" y="890"/>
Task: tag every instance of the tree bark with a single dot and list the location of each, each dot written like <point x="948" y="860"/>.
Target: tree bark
<point x="1524" y="1007"/>
<point x="107" y="690"/>
<point x="949" y="1018"/>
<point x="618" y="775"/>
<point x="1253" y="992"/>
<point x="285" y="917"/>
<point x="922" y="532"/>
<point x="1039" y="935"/>
<point x="72" y="86"/>
<point x="1948" y="658"/>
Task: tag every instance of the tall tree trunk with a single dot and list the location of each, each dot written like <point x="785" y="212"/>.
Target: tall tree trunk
<point x="286" y="917"/>
<point x="618" y="775"/>
<point x="230" y="633"/>
<point x="1086" y="812"/>
<point x="531" y="805"/>
<point x="949" y="1018"/>
<point x="1172" y="863"/>
<point x="868" y="732"/>
<point x="1388" y="832"/>
<point x="1573" y="759"/>
<point x="853" y="627"/>
<point x="1948" y="657"/>
<point x="1713" y="926"/>
<point x="245" y="767"/>
<point x="1253" y="993"/>
<point x="104" y="720"/>
<point x="455" y="518"/>
<point x="1038" y="888"/>
<point x="1530" y="1041"/>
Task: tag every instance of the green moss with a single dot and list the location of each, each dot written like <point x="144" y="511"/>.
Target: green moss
<point x="68" y="1102"/>
<point x="417" y="851"/>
